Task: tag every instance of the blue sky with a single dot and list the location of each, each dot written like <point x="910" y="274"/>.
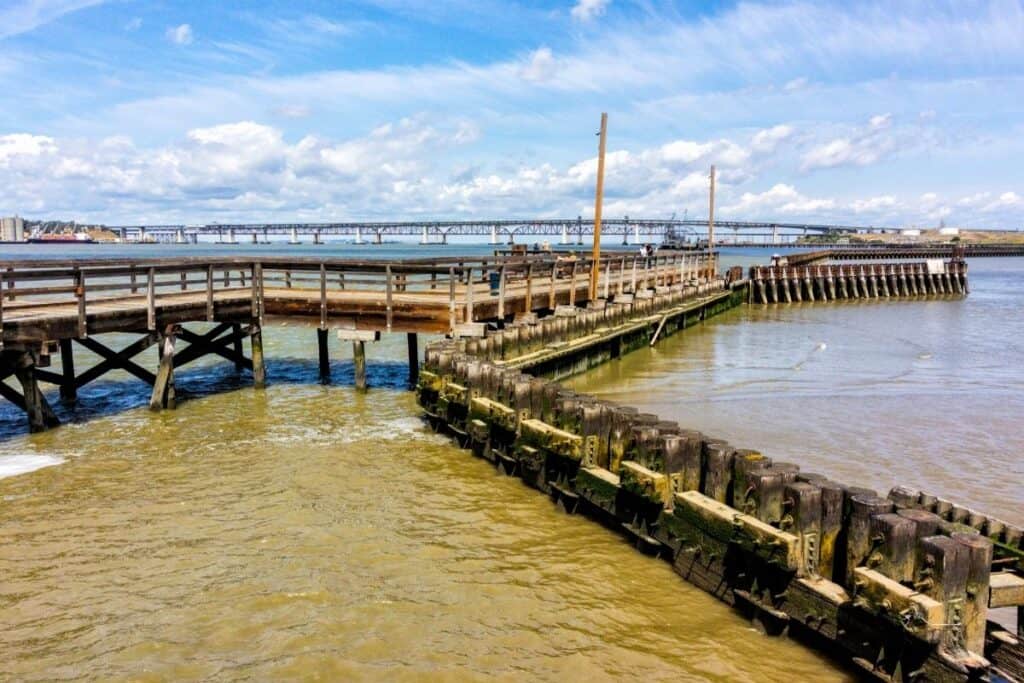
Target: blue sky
<point x="894" y="113"/>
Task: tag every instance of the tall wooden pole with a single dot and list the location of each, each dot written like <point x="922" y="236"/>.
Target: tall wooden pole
<point x="711" y="226"/>
<point x="596" y="255"/>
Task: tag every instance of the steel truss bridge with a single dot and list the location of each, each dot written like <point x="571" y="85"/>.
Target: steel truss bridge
<point x="504" y="230"/>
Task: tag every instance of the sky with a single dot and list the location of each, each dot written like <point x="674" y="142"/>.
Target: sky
<point x="896" y="113"/>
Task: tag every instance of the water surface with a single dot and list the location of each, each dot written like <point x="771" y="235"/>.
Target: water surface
<point x="310" y="532"/>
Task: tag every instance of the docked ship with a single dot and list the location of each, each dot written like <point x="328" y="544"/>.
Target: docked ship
<point x="60" y="238"/>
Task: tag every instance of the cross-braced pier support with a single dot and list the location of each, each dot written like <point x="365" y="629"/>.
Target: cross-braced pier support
<point x="22" y="364"/>
<point x="28" y="365"/>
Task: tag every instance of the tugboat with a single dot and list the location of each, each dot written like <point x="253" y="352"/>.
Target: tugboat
<point x="676" y="241"/>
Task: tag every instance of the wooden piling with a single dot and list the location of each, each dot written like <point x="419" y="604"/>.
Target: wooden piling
<point x="858" y="530"/>
<point x="832" y="496"/>
<point x="413" y="349"/>
<point x="802" y="504"/>
<point x="68" y="389"/>
<point x="236" y="332"/>
<point x="944" y="578"/>
<point x="743" y="460"/>
<point x="893" y="543"/>
<point x="359" y="363"/>
<point x="978" y="551"/>
<point x="259" y="370"/>
<point x="323" y="355"/>
<point x="40" y="415"/>
<point x="163" y="395"/>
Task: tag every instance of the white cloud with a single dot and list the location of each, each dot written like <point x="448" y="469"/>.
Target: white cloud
<point x="873" y="204"/>
<point x="780" y="199"/>
<point x="586" y="10"/>
<point x="181" y="34"/>
<point x="685" y="151"/>
<point x="24" y="145"/>
<point x="292" y="111"/>
<point x="22" y="17"/>
<point x="133" y="24"/>
<point x="796" y="84"/>
<point x="861" y="147"/>
<point x="1006" y="200"/>
<point x="540" y="66"/>
<point x="765" y="141"/>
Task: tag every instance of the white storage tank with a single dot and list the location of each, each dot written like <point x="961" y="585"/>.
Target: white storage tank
<point x="11" y="228"/>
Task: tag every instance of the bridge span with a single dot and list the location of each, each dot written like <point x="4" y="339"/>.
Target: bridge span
<point x="568" y="230"/>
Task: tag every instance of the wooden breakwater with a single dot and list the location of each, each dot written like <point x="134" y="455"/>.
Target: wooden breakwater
<point x="900" y="585"/>
<point x="914" y="252"/>
<point x="786" y="283"/>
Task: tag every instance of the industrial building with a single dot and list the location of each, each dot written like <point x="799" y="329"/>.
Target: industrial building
<point x="12" y="229"/>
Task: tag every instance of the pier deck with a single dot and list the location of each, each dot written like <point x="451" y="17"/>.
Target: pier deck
<point x="47" y="307"/>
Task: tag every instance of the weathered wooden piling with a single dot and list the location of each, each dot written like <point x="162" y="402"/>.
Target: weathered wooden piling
<point x="163" y="395"/>
<point x="324" y="359"/>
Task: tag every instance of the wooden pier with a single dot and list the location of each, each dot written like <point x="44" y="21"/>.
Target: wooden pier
<point x="49" y="307"/>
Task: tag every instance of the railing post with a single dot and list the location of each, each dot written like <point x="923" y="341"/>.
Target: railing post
<point x="184" y="279"/>
<point x="572" y="285"/>
<point x="388" y="300"/>
<point x="632" y="288"/>
<point x="501" y="292"/>
<point x="607" y="277"/>
<point x="469" y="294"/>
<point x="80" y="295"/>
<point x="255" y="293"/>
<point x="10" y="286"/>
<point x="451" y="297"/>
<point x="551" y="289"/>
<point x="529" y="287"/>
<point x="622" y="273"/>
<point x="209" y="291"/>
<point x="151" y="300"/>
<point x="131" y="279"/>
<point x="261" y="298"/>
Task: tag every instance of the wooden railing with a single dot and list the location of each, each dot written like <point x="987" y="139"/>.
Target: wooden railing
<point x="84" y="288"/>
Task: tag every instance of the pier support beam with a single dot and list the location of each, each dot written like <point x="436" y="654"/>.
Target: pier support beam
<point x="412" y="341"/>
<point x="325" y="359"/>
<point x="359" y="363"/>
<point x="163" y="395"/>
<point x="31" y="400"/>
<point x="259" y="370"/>
<point x="236" y="332"/>
<point x="359" y="339"/>
<point x="68" y="390"/>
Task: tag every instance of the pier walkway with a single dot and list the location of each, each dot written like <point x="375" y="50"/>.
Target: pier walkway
<point x="48" y="307"/>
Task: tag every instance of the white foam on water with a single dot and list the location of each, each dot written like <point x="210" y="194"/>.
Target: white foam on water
<point x="13" y="465"/>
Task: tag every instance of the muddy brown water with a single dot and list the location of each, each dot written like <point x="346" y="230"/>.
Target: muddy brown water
<point x="308" y="532"/>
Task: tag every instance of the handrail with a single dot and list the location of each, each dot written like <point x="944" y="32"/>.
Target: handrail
<point x="472" y="284"/>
